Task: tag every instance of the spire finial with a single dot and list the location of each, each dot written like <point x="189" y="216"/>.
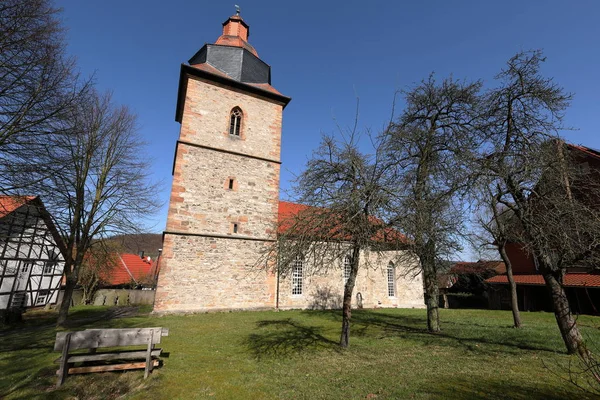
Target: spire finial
<point x="237" y="10"/>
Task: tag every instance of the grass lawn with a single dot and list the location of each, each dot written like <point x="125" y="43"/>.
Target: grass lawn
<point x="294" y="355"/>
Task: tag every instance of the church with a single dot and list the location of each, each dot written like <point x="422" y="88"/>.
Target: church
<point x="224" y="207"/>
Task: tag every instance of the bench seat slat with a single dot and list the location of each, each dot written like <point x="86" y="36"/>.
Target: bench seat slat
<point x="125" y="355"/>
<point x="99" y="338"/>
<point x="158" y="331"/>
<point x="114" y="367"/>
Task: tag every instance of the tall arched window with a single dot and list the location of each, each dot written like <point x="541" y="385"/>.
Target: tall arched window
<point x="235" y="121"/>
<point x="297" y="275"/>
<point x="347" y="267"/>
<point x="391" y="279"/>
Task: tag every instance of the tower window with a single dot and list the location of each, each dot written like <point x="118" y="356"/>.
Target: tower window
<point x="230" y="184"/>
<point x="234" y="228"/>
<point x="235" y="122"/>
<point x="391" y="279"/>
<point x="297" y="276"/>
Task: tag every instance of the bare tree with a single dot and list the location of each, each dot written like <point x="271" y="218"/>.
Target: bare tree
<point x="99" y="262"/>
<point x="496" y="223"/>
<point x="551" y="199"/>
<point x="347" y="194"/>
<point x="428" y="145"/>
<point x="37" y="88"/>
<point x="103" y="188"/>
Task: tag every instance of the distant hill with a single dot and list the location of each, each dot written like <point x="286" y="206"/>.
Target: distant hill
<point x="149" y="243"/>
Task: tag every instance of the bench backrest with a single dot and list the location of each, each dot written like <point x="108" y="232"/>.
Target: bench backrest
<point x="98" y="338"/>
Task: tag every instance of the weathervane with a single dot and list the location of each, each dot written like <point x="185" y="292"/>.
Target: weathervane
<point x="237" y="10"/>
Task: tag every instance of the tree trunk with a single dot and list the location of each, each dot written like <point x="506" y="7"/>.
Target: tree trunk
<point x="566" y="322"/>
<point x="63" y="311"/>
<point x="432" y="300"/>
<point x="347" y="304"/>
<point x="514" y="300"/>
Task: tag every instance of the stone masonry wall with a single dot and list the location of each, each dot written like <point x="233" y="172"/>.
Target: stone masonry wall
<point x="325" y="289"/>
<point x="206" y="120"/>
<point x="205" y="204"/>
<point x="201" y="274"/>
<point x="200" y="269"/>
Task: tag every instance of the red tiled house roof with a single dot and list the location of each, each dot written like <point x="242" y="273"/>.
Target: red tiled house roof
<point x="8" y="204"/>
<point x="570" y="280"/>
<point x="128" y="268"/>
<point x="524" y="270"/>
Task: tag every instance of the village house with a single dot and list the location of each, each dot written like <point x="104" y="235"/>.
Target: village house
<point x="31" y="259"/>
<point x="225" y="208"/>
<point x="582" y="285"/>
<point x="465" y="282"/>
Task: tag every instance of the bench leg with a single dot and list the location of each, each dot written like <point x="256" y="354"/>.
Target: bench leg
<point x="64" y="362"/>
<point x="149" y="356"/>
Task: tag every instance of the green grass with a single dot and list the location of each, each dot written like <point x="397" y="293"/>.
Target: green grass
<point x="294" y="355"/>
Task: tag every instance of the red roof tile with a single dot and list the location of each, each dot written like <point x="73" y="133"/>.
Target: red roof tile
<point x="9" y="204"/>
<point x="128" y="268"/>
<point x="288" y="211"/>
<point x="570" y="280"/>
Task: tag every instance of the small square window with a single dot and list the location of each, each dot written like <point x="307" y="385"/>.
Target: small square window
<point x="42" y="296"/>
<point x="26" y="266"/>
<point x="49" y="267"/>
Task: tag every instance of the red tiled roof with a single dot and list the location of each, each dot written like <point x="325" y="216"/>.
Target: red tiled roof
<point x="231" y="40"/>
<point x="480" y="266"/>
<point x="570" y="280"/>
<point x="288" y="211"/>
<point x="128" y="268"/>
<point x="235" y="33"/>
<point x="9" y="204"/>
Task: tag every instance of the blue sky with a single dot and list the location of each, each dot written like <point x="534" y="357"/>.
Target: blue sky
<point x="325" y="53"/>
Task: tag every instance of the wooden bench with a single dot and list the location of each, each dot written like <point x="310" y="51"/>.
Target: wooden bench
<point x="93" y="339"/>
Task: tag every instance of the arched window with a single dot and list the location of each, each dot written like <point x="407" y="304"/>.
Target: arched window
<point x="347" y="267"/>
<point x="297" y="275"/>
<point x="235" y="121"/>
<point x="391" y="279"/>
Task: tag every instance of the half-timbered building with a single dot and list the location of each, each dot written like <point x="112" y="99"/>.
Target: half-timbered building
<point x="31" y="260"/>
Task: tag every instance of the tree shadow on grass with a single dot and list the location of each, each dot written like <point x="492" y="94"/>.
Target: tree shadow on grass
<point x="381" y="325"/>
<point x="496" y="388"/>
<point x="286" y="336"/>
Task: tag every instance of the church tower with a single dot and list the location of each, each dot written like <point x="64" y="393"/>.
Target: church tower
<point x="225" y="193"/>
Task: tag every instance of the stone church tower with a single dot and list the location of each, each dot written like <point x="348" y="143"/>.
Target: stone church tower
<point x="225" y="195"/>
